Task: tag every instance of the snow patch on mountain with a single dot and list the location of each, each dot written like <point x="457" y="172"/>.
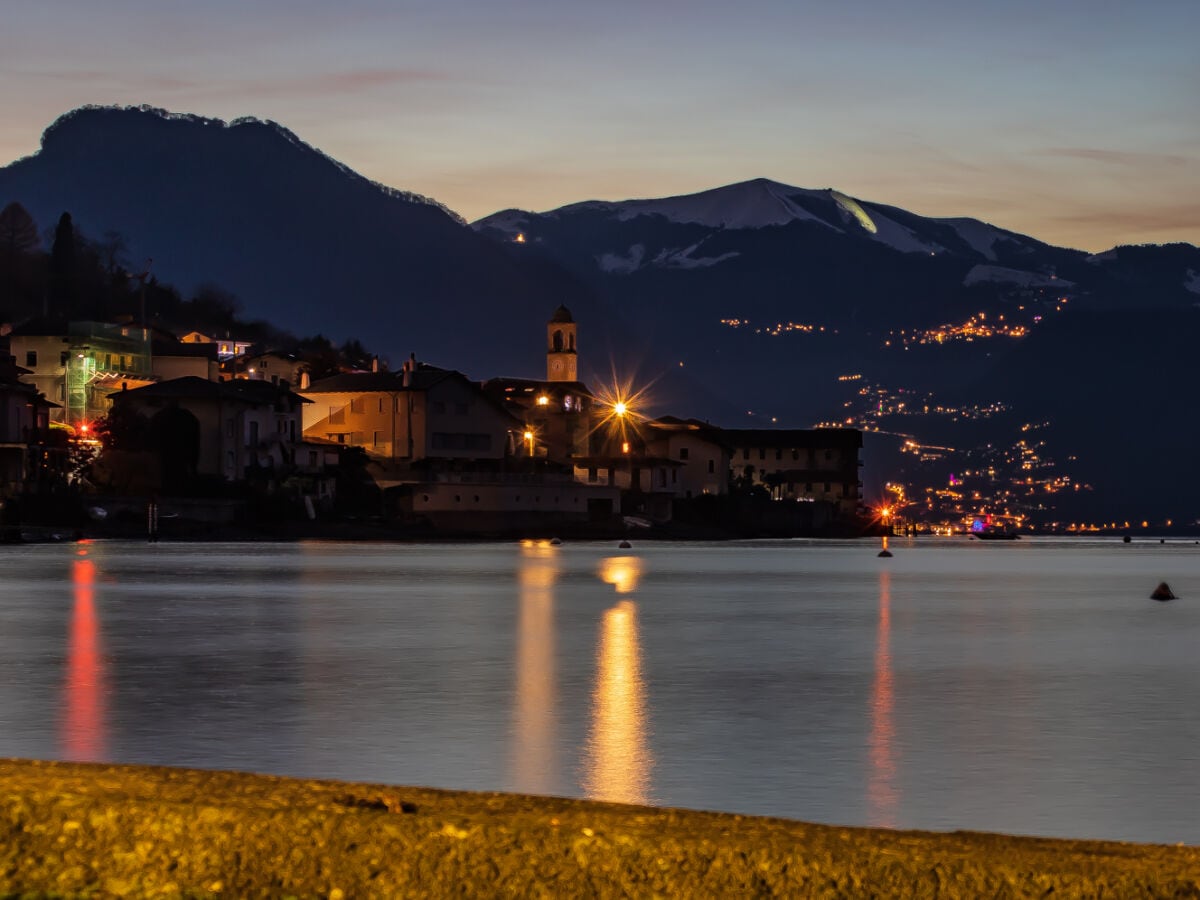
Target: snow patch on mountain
<point x="982" y="273"/>
<point x="622" y="265"/>
<point x="979" y="236"/>
<point x="1191" y="281"/>
<point x="668" y="258"/>
<point x="683" y="259"/>
<point x="749" y="204"/>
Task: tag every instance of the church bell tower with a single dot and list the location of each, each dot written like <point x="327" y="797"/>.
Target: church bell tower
<point x="561" y="357"/>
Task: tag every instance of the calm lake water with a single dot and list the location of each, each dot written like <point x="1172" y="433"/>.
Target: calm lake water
<point x="1027" y="687"/>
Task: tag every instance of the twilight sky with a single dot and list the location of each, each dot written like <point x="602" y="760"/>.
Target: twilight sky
<point x="1075" y="121"/>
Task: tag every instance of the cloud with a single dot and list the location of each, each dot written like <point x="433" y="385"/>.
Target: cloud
<point x="1131" y="158"/>
<point x="350" y="81"/>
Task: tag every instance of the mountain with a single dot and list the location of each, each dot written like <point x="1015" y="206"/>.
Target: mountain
<point x="992" y="369"/>
<point x="300" y="239"/>
<point x="973" y="355"/>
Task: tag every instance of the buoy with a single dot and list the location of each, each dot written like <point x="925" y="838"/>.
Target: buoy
<point x="554" y="542"/>
<point x="885" y="553"/>
<point x="1126" y="539"/>
<point x="1162" y="592"/>
<point x="624" y="545"/>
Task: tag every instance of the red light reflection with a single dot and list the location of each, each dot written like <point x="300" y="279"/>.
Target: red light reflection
<point x="83" y="737"/>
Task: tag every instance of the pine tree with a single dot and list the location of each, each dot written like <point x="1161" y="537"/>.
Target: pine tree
<point x="18" y="232"/>
<point x="62" y="266"/>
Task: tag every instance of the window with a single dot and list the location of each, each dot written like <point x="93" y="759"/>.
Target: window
<point x="828" y="454"/>
<point x="795" y="454"/>
<point x="438" y="407"/>
<point x="312" y="457"/>
<point x="460" y="408"/>
<point x="381" y="404"/>
<point x="592" y="476"/>
<point x="683" y="452"/>
<point x="712" y="467"/>
<point x="377" y="439"/>
<point x="356" y="406"/>
<point x="762" y="452"/>
<point x="779" y="453"/>
<point x="31" y="358"/>
<point x="745" y="453"/>
<point x="827" y="487"/>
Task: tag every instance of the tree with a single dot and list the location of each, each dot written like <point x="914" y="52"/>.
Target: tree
<point x="63" y="257"/>
<point x="18" y="232"/>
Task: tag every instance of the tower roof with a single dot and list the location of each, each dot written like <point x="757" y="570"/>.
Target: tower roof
<point x="562" y="314"/>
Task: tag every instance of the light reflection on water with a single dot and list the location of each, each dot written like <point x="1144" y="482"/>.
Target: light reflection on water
<point x="83" y="700"/>
<point x="534" y="761"/>
<point x="881" y="790"/>
<point x="1030" y="688"/>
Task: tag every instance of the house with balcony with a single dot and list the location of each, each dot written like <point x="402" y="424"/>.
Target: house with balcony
<point x="78" y="365"/>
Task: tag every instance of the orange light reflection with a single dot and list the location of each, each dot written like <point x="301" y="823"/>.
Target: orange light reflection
<point x="533" y="760"/>
<point x="622" y="572"/>
<point x="617" y="768"/>
<point x="83" y="737"/>
<point x="882" y="795"/>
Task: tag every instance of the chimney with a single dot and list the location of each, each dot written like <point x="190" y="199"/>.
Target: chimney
<point x="304" y="380"/>
<point x="375" y="364"/>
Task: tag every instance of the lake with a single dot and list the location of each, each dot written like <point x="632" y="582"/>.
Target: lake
<point x="1029" y="687"/>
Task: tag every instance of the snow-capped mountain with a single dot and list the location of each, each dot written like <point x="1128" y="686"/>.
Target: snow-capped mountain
<point x="762" y="203"/>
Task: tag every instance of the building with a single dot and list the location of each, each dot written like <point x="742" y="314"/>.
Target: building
<point x="285" y="369"/>
<point x="77" y="365"/>
<point x="419" y="413"/>
<point x="176" y="359"/>
<point x="24" y="431"/>
<point x="228" y="430"/>
<point x="556" y="412"/>
<point x="227" y="347"/>
<point x="701" y="450"/>
<point x="818" y="465"/>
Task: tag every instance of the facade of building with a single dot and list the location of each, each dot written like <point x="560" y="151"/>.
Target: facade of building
<point x="700" y="450"/>
<point x="24" y="429"/>
<point x="227" y="347"/>
<point x="77" y="365"/>
<point x="228" y="428"/>
<point x="418" y="413"/>
<point x="820" y="465"/>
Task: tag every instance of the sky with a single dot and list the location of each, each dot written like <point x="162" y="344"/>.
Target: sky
<point x="1074" y="121"/>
